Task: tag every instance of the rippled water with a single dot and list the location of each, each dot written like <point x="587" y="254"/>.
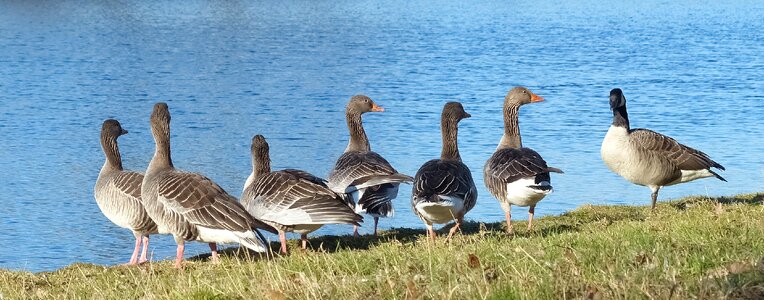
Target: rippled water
<point x="230" y="70"/>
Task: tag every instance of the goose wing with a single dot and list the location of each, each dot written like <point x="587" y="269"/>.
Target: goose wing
<point x="363" y="169"/>
<point x="685" y="158"/>
<point x="128" y="185"/>
<point x="292" y="197"/>
<point x="446" y="178"/>
<point x="510" y="164"/>
<point x="201" y="202"/>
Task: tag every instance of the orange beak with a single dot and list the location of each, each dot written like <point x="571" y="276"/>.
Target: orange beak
<point x="377" y="108"/>
<point x="536" y="98"/>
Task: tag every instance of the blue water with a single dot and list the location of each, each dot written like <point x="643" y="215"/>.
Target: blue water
<point x="230" y="70"/>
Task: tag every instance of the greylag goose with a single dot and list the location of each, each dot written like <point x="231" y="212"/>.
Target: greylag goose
<point x="443" y="188"/>
<point x="192" y="206"/>
<point x="648" y="158"/>
<point x="291" y="200"/>
<point x="118" y="193"/>
<point x="368" y="180"/>
<point x="516" y="175"/>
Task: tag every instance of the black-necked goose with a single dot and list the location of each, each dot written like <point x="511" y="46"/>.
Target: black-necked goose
<point x="516" y="175"/>
<point x="648" y="158"/>
<point x="370" y="182"/>
<point x="118" y="193"/>
<point x="192" y="206"/>
<point x="291" y="200"/>
<point x="443" y="188"/>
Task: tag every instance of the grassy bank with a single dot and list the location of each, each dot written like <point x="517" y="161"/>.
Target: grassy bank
<point x="690" y="248"/>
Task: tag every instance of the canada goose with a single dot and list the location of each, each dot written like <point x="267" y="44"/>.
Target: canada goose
<point x="118" y="193"/>
<point x="291" y="200"/>
<point x="516" y="175"/>
<point x="192" y="206"/>
<point x="443" y="188"/>
<point x="369" y="181"/>
<point x="648" y="158"/>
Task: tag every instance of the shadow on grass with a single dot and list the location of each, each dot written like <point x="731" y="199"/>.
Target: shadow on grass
<point x="546" y="226"/>
<point x="572" y="221"/>
<point x="700" y="200"/>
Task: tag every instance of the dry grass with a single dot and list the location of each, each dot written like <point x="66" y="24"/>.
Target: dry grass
<point x="690" y="248"/>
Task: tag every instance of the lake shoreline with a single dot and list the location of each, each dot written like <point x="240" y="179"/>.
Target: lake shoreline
<point x="695" y="247"/>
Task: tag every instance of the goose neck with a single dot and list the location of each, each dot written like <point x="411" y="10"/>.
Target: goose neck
<point x="621" y="117"/>
<point x="111" y="151"/>
<point x="358" y="139"/>
<point x="511" y="137"/>
<point x="449" y="130"/>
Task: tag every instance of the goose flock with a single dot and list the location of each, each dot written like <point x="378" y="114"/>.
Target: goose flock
<point x="192" y="207"/>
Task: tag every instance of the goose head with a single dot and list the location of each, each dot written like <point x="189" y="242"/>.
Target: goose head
<point x="617" y="99"/>
<point x="454" y="111"/>
<point x="520" y="96"/>
<point x="111" y="128"/>
<point x="259" y="147"/>
<point x="361" y="104"/>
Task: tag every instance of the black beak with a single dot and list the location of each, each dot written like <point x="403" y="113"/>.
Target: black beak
<point x="123" y="132"/>
<point x="466" y="115"/>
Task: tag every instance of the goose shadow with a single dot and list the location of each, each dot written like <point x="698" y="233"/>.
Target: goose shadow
<point x="689" y="202"/>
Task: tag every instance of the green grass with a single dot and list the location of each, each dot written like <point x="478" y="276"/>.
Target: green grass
<point x="690" y="248"/>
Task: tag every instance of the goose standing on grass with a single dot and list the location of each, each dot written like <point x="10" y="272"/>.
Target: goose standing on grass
<point x="443" y="188"/>
<point x="192" y="206"/>
<point x="368" y="180"/>
<point x="516" y="175"/>
<point x="118" y="193"/>
<point x="648" y="158"/>
<point x="291" y="200"/>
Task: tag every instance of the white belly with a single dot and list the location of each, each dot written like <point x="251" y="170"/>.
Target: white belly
<point x="306" y="228"/>
<point x="521" y="193"/>
<point x="630" y="161"/>
<point x="441" y="212"/>
<point x="221" y="236"/>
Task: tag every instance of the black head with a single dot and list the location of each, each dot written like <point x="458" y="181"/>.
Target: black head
<point x="455" y="111"/>
<point x="521" y="96"/>
<point x="363" y="104"/>
<point x="112" y="128"/>
<point x="617" y="99"/>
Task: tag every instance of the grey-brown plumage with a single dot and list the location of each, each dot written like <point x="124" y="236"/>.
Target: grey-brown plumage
<point x="443" y="188"/>
<point x="648" y="158"/>
<point x="369" y="181"/>
<point x="516" y="175"/>
<point x="192" y="206"/>
<point x="118" y="192"/>
<point x="291" y="200"/>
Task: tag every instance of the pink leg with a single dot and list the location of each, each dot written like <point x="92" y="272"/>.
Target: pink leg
<point x="530" y="217"/>
<point x="454" y="229"/>
<point x="355" y="231"/>
<point x="145" y="249"/>
<point x="134" y="257"/>
<point x="376" y="221"/>
<point x="179" y="253"/>
<point x="282" y="238"/>
<point x="509" y="223"/>
<point x="214" y="252"/>
<point x="430" y="233"/>
<point x="304" y="239"/>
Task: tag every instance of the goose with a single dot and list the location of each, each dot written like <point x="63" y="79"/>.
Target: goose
<point x="443" y="188"/>
<point x="118" y="193"/>
<point x="291" y="200"/>
<point x="647" y="158"/>
<point x="369" y="182"/>
<point x="191" y="206"/>
<point x="516" y="175"/>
